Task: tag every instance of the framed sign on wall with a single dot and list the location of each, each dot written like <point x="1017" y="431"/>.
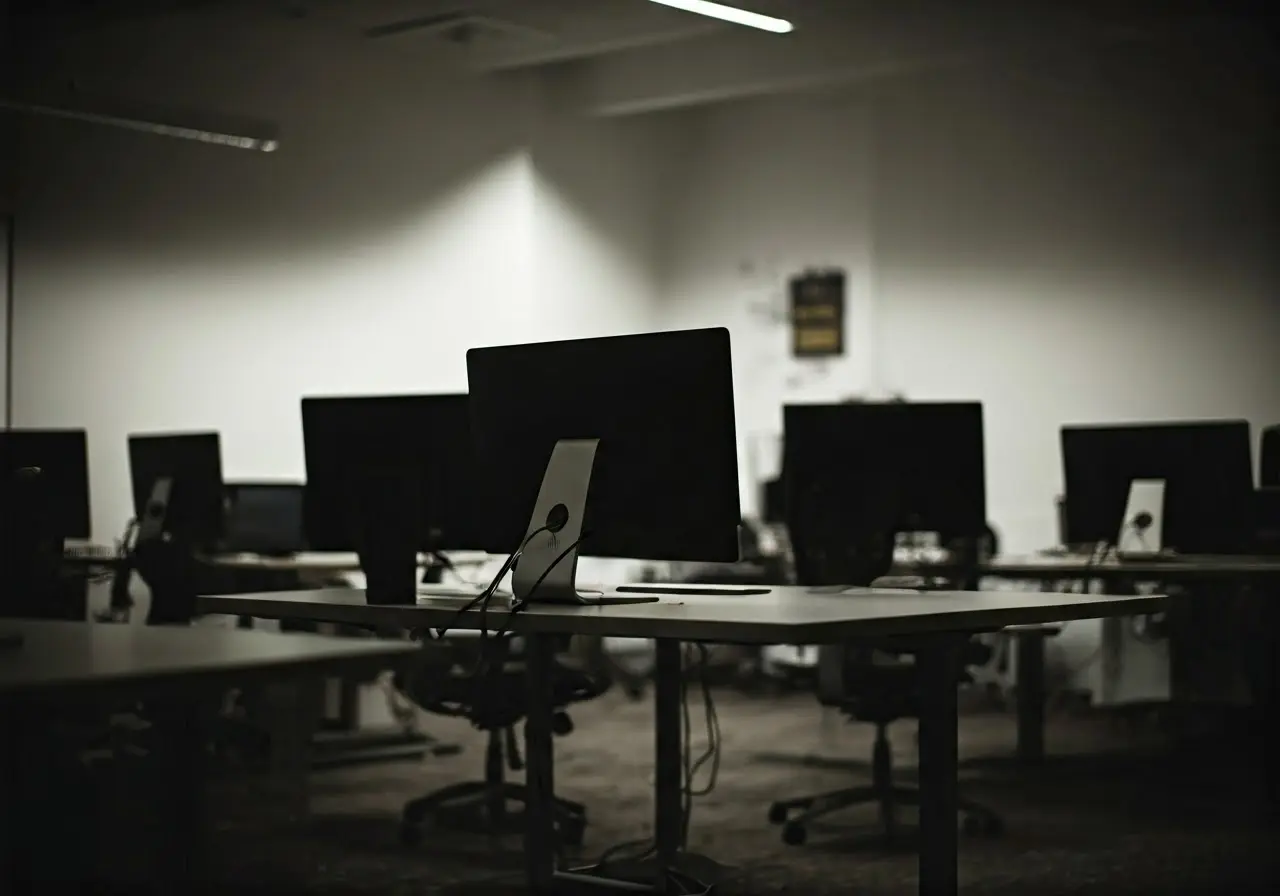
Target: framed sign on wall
<point x="817" y="314"/>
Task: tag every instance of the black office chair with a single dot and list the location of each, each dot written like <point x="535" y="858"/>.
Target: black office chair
<point x="446" y="684"/>
<point x="877" y="685"/>
<point x="874" y="683"/>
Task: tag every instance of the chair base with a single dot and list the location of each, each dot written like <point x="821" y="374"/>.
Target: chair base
<point x="795" y="815"/>
<point x="485" y="809"/>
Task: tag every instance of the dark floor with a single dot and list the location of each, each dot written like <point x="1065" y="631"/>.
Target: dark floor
<point x="1134" y="826"/>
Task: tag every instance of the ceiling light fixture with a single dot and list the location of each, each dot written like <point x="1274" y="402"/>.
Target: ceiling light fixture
<point x="730" y="14"/>
<point x="254" y="136"/>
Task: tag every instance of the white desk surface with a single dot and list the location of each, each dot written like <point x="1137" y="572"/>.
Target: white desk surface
<point x="1189" y="566"/>
<point x="786" y="615"/>
<point x="76" y="656"/>
<point x="307" y="561"/>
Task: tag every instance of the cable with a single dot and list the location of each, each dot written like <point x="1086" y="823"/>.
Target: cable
<point x="518" y="605"/>
<point x="487" y="594"/>
<point x="690" y="766"/>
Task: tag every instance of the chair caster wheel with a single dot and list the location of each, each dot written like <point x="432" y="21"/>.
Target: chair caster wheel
<point x="794" y="835"/>
<point x="982" y="826"/>
<point x="777" y="814"/>
<point x="410" y="835"/>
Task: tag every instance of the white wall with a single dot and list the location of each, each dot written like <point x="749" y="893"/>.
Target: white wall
<point x="168" y="285"/>
<point x="1072" y="256"/>
<point x="1060" y="257"/>
<point x="600" y="191"/>
<point x="768" y="189"/>
<point x="1049" y="255"/>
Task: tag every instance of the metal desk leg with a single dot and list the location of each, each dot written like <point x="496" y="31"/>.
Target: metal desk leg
<point x="668" y="868"/>
<point x="668" y="783"/>
<point x="540" y="831"/>
<point x="183" y="850"/>
<point x="1029" y="657"/>
<point x="938" y="667"/>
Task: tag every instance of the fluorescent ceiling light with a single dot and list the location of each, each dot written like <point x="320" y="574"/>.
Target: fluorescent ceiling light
<point x="237" y="135"/>
<point x="730" y="14"/>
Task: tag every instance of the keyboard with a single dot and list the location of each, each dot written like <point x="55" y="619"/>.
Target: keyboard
<point x="84" y="551"/>
<point x="694" y="590"/>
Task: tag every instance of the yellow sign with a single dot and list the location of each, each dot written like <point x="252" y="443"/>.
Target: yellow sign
<point x="817" y="314"/>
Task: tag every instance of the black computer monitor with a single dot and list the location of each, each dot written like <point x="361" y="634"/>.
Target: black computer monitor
<point x="1207" y="468"/>
<point x="421" y="441"/>
<point x="264" y="518"/>
<point x="645" y="452"/>
<point x="773" y="501"/>
<point x="62" y="455"/>
<point x="895" y="466"/>
<point x="1269" y="457"/>
<point x="193" y="464"/>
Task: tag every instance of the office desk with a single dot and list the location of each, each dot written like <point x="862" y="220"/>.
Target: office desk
<point x="349" y="737"/>
<point x="1049" y="571"/>
<point x="304" y="564"/>
<point x="936" y="623"/>
<point x="179" y="672"/>
<point x="1184" y="569"/>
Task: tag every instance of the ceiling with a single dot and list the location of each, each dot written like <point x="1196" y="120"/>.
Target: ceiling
<point x="626" y="56"/>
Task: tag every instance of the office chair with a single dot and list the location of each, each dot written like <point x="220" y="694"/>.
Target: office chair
<point x="495" y="702"/>
<point x="875" y="684"/>
<point x="878" y="686"/>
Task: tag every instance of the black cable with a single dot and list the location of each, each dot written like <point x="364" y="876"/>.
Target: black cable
<point x="714" y="743"/>
<point x="519" y="605"/>
<point x="487" y="594"/>
<point x="690" y="767"/>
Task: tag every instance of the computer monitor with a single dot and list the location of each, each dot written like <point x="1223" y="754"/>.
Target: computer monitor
<point x="1269" y="458"/>
<point x="896" y="466"/>
<point x="1206" y="467"/>
<point x="773" y="501"/>
<point x="421" y="441"/>
<point x="192" y="462"/>
<point x="264" y="518"/>
<point x="625" y="445"/>
<point x="62" y="455"/>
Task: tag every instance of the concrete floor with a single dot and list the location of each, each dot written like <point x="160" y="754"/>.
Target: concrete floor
<point x="1141" y="825"/>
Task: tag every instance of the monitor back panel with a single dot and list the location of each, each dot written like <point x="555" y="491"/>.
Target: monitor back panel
<point x="422" y="440"/>
<point x="665" y="482"/>
<point x="63" y="458"/>
<point x="1207" y="467"/>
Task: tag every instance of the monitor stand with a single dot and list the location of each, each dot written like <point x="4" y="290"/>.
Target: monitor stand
<point x="547" y="569"/>
<point x="163" y="562"/>
<point x="1141" y="533"/>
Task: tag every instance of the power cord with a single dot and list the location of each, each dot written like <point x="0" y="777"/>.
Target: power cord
<point x="518" y="605"/>
<point x="482" y="599"/>
<point x="625" y="852"/>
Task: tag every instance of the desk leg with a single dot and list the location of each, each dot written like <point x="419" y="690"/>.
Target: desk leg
<point x="1029" y="647"/>
<point x="183" y="847"/>
<point x="668" y="779"/>
<point x="540" y="831"/>
<point x="939" y="665"/>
